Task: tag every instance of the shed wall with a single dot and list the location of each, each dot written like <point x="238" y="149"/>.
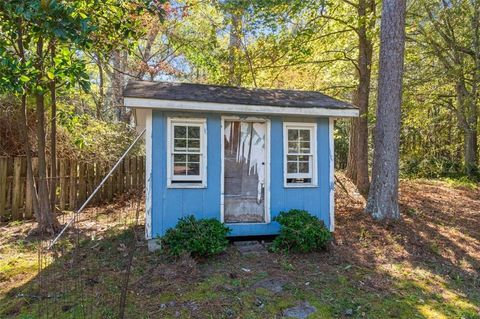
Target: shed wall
<point x="168" y="204"/>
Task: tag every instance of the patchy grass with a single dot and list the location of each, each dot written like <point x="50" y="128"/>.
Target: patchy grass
<point x="425" y="266"/>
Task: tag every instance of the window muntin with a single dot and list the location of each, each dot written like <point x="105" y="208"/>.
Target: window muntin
<point x="187" y="152"/>
<point x="299" y="140"/>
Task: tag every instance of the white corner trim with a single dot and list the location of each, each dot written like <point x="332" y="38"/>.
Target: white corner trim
<point x="313" y="147"/>
<point x="331" y="122"/>
<point x="236" y="108"/>
<point x="148" y="174"/>
<point x="202" y="122"/>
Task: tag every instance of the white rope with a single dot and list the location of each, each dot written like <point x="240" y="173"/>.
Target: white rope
<point x="95" y="191"/>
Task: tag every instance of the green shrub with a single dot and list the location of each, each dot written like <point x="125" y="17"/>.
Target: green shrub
<point x="300" y="232"/>
<point x="197" y="237"/>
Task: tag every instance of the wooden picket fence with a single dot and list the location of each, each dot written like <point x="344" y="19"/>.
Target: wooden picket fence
<point x="76" y="181"/>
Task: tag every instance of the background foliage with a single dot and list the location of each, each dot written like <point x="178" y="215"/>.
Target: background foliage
<point x="309" y="45"/>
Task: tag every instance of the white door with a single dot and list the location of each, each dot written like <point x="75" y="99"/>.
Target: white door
<point x="244" y="169"/>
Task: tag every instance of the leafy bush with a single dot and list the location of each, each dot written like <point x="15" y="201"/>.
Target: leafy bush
<point x="300" y="232"/>
<point x="199" y="238"/>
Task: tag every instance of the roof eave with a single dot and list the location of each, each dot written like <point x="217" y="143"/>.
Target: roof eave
<point x="195" y="106"/>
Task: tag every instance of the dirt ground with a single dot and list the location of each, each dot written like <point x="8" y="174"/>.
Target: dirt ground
<point x="425" y="266"/>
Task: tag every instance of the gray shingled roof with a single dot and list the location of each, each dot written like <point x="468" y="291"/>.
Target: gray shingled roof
<point x="231" y="95"/>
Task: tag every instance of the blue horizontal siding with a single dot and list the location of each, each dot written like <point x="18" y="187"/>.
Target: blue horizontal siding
<point x="170" y="204"/>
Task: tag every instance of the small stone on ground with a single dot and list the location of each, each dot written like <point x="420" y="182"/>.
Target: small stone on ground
<point x="301" y="311"/>
<point x="274" y="285"/>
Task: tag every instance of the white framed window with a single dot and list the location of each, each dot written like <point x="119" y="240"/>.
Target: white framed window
<point x="300" y="156"/>
<point x="187" y="152"/>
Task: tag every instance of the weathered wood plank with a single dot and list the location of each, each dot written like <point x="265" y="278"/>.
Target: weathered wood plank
<point x="3" y="188"/>
<point x="82" y="183"/>
<point x="128" y="179"/>
<point x="17" y="188"/>
<point x="28" y="198"/>
<point x="142" y="171"/>
<point x="109" y="182"/>
<point x="72" y="198"/>
<point x="121" y="177"/>
<point x="114" y="179"/>
<point x="133" y="170"/>
<point x="63" y="183"/>
<point x="90" y="178"/>
<point x="98" y="179"/>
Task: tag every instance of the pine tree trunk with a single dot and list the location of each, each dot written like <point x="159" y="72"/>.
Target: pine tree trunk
<point x="470" y="151"/>
<point x="234" y="75"/>
<point x="383" y="195"/>
<point x="357" y="165"/>
<point x="467" y="115"/>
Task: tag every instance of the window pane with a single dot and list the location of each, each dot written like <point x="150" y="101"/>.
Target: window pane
<point x="194" y="145"/>
<point x="292" y="158"/>
<point x="293" y="147"/>
<point x="194" y="158"/>
<point x="180" y="144"/>
<point x="193" y="132"/>
<point x="304" y="158"/>
<point x="304" y="135"/>
<point x="292" y="167"/>
<point x="179" y="158"/>
<point x="180" y="169"/>
<point x="292" y="135"/>
<point x="193" y="169"/>
<point x="304" y="147"/>
<point x="180" y="131"/>
<point x="303" y="167"/>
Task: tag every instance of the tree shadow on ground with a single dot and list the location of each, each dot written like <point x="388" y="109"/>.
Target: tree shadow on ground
<point x="432" y="252"/>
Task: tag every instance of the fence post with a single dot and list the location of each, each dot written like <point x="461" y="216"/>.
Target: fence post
<point x="3" y="187"/>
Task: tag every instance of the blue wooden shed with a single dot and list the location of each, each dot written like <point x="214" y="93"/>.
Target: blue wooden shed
<point x="239" y="155"/>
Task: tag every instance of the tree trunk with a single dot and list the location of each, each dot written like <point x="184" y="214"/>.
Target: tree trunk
<point x="383" y="195"/>
<point x="234" y="48"/>
<point x="28" y="154"/>
<point x="357" y="165"/>
<point x="101" y="90"/>
<point x="24" y="124"/>
<point x="53" y="139"/>
<point x="470" y="151"/>
<point x="47" y="221"/>
<point x="118" y="79"/>
<point x="467" y="117"/>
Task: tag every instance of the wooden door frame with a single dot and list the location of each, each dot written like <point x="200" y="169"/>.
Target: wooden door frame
<point x="267" y="165"/>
